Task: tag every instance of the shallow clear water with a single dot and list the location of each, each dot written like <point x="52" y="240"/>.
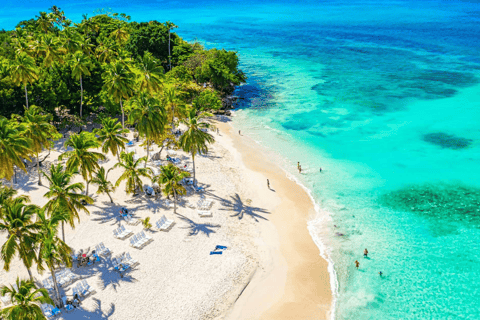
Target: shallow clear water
<point x="385" y="97"/>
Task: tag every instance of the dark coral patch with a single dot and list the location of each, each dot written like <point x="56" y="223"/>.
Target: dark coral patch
<point x="447" y="141"/>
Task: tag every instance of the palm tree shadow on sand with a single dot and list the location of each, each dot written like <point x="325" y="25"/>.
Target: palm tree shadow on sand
<point x="242" y="209"/>
<point x="196" y="228"/>
<point x="94" y="314"/>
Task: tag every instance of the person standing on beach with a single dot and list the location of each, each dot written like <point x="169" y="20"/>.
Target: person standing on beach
<point x="357" y="264"/>
<point x="268" y="183"/>
<point x="298" y="165"/>
<point x="299" y="169"/>
<point x="239" y="132"/>
<point x="365" y="253"/>
<point x="320" y="169"/>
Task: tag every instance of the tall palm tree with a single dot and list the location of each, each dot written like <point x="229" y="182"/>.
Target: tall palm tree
<point x="17" y="221"/>
<point x="131" y="172"/>
<point x="25" y="297"/>
<point x="170" y="177"/>
<point x="120" y="35"/>
<point x="149" y="118"/>
<point x="50" y="49"/>
<point x="119" y="83"/>
<point x="104" y="186"/>
<point x="107" y="50"/>
<point x="80" y="67"/>
<point x="52" y="251"/>
<point x="88" y="25"/>
<point x="110" y="135"/>
<point x="170" y="26"/>
<point x="151" y="73"/>
<point x="71" y="39"/>
<point x="13" y="146"/>
<point x="80" y="158"/>
<point x="172" y="99"/>
<point x="44" y="22"/>
<point x="194" y="140"/>
<point x="24" y="71"/>
<point x="64" y="196"/>
<point x="40" y="132"/>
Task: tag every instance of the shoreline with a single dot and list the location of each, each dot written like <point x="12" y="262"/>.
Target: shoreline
<point x="305" y="269"/>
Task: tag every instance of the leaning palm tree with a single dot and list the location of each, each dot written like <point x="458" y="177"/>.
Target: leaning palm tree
<point x="119" y="83"/>
<point x="80" y="67"/>
<point x="110" y="135"/>
<point x="13" y="147"/>
<point x="81" y="158"/>
<point x="170" y="26"/>
<point x="132" y="172"/>
<point x="52" y="251"/>
<point x="40" y="132"/>
<point x="104" y="186"/>
<point x="151" y="74"/>
<point x="24" y="71"/>
<point x="149" y="118"/>
<point x="25" y="298"/>
<point x="170" y="177"/>
<point x="194" y="140"/>
<point x="17" y="221"/>
<point x="64" y="196"/>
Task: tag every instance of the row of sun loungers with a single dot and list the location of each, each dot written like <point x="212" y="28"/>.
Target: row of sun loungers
<point x="49" y="311"/>
<point x="125" y="260"/>
<point x="164" y="224"/>
<point x="204" y="204"/>
<point x="130" y="220"/>
<point x="140" y="240"/>
<point x="83" y="289"/>
<point x="101" y="250"/>
<point x="204" y="213"/>
<point x="64" y="277"/>
<point x="121" y="233"/>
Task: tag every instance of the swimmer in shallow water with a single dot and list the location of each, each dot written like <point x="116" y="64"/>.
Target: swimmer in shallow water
<point x="357" y="264"/>
<point x="365" y="253"/>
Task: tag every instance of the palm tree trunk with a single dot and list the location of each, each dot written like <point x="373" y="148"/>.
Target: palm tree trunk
<point x="174" y="202"/>
<point x="123" y="114"/>
<point x="25" y="262"/>
<point x="63" y="232"/>
<point x="111" y="200"/>
<point x="169" y="58"/>
<point x="38" y="171"/>
<point x="148" y="152"/>
<point x="194" y="180"/>
<point x="81" y="96"/>
<point x="55" y="285"/>
<point x="26" y="95"/>
<point x="86" y="191"/>
<point x="173" y="118"/>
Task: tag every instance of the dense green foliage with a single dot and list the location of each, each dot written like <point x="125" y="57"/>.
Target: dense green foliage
<point x="51" y="62"/>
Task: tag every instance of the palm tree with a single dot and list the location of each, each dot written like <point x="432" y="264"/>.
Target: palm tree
<point x="40" y="132"/>
<point x="132" y="172"/>
<point x="120" y="35"/>
<point x="88" y="25"/>
<point x="65" y="197"/>
<point x="170" y="177"/>
<point x="44" y="22"/>
<point x="71" y="39"/>
<point x="151" y="74"/>
<point x="50" y="49"/>
<point x="110" y="135"/>
<point x="80" y="67"/>
<point x="106" y="50"/>
<point x="171" y="98"/>
<point x="80" y="158"/>
<point x="119" y="83"/>
<point x="17" y="221"/>
<point x="6" y="193"/>
<point x="52" y="250"/>
<point x="170" y="26"/>
<point x="104" y="186"/>
<point x="23" y="71"/>
<point x="194" y="139"/>
<point x="149" y="118"/>
<point x="13" y="146"/>
<point x="25" y="297"/>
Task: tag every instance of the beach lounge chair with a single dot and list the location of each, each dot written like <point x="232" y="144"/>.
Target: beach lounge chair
<point x="48" y="311"/>
<point x="135" y="243"/>
<point x="104" y="250"/>
<point x="204" y="213"/>
<point x="87" y="290"/>
<point x="68" y="307"/>
<point x="130" y="220"/>
<point x="5" y="300"/>
<point x="164" y="224"/>
<point x="130" y="260"/>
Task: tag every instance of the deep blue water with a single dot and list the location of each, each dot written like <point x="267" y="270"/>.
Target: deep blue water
<point x="385" y="97"/>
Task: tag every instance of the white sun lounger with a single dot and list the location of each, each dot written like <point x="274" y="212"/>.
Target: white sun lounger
<point x="204" y="213"/>
<point x="164" y="224"/>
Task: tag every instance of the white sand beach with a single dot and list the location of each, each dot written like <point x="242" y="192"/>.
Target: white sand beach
<point x="271" y="268"/>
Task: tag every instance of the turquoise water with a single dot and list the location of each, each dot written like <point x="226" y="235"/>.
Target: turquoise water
<point x="384" y="97"/>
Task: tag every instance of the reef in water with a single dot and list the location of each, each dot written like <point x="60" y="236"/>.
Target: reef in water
<point x="442" y="202"/>
<point x="448" y="141"/>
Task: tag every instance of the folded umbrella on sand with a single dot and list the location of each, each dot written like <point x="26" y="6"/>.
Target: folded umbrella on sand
<point x="215" y="252"/>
